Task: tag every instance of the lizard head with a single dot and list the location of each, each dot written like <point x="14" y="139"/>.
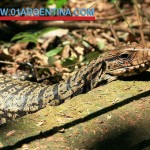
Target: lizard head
<point x="127" y="61"/>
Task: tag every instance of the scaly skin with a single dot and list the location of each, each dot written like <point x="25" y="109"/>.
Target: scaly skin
<point x="18" y="98"/>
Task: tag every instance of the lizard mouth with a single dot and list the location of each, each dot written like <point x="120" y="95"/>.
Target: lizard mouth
<point x="131" y="70"/>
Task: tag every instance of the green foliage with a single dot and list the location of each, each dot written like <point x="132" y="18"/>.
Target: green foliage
<point x="85" y="43"/>
<point x="92" y="55"/>
<point x="100" y="45"/>
<point x="51" y="53"/>
<point x="30" y="36"/>
<point x="113" y="1"/>
<point x="45" y="30"/>
<point x="54" y="51"/>
<point x="68" y="62"/>
<point x="25" y="37"/>
<point x="51" y="60"/>
<point x="59" y="3"/>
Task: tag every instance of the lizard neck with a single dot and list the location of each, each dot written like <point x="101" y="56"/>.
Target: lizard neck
<point x="82" y="81"/>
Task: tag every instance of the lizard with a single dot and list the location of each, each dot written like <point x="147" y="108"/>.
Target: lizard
<point x="18" y="98"/>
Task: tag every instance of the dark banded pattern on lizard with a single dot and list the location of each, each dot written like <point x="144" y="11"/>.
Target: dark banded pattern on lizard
<point x="18" y="98"/>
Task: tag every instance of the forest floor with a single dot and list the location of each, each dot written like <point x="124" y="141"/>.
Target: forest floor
<point x="111" y="117"/>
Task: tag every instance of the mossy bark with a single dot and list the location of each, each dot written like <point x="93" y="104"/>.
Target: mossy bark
<point x="114" y="116"/>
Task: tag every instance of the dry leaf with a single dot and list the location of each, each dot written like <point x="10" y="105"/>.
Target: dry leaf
<point x="40" y="123"/>
<point x="10" y="133"/>
<point x="54" y="33"/>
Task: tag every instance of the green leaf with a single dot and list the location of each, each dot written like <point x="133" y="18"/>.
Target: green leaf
<point x="86" y="44"/>
<point x="68" y="62"/>
<point x="113" y="1"/>
<point x="24" y="35"/>
<point x="33" y="37"/>
<point x="26" y="40"/>
<point x="54" y="52"/>
<point x="50" y="2"/>
<point x="61" y="3"/>
<point x="43" y="31"/>
<point x="92" y="55"/>
<point x="100" y="45"/>
<point x="66" y="43"/>
<point x="51" y="60"/>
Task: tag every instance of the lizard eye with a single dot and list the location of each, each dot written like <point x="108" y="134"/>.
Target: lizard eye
<point x="124" y="56"/>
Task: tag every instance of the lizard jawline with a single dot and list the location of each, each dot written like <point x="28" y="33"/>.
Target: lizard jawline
<point x="129" y="71"/>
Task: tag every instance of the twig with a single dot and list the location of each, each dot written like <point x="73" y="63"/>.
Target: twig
<point x="92" y="25"/>
<point x="113" y="16"/>
<point x="124" y="18"/>
<point x="109" y="38"/>
<point x="70" y="25"/>
<point x="110" y="17"/>
<point x="114" y="34"/>
<point x="139" y="21"/>
<point x="7" y="62"/>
